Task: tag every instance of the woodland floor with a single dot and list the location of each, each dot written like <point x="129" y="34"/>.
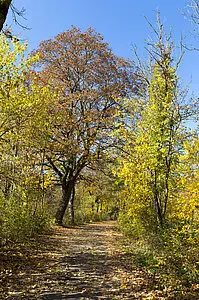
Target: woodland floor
<point x="83" y="262"/>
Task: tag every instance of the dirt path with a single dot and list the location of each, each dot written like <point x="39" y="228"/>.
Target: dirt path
<point x="75" y="263"/>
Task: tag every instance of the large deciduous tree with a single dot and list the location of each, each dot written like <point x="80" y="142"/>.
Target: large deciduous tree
<point x="90" y="80"/>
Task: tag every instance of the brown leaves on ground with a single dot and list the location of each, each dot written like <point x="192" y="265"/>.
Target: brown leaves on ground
<point x="84" y="262"/>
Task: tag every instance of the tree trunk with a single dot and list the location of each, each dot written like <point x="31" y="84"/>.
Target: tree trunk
<point x="158" y="211"/>
<point x="4" y="7"/>
<point x="72" y="206"/>
<point x="67" y="188"/>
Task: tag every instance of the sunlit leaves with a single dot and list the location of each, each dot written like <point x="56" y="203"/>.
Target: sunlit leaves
<point x="151" y="152"/>
<point x="23" y="108"/>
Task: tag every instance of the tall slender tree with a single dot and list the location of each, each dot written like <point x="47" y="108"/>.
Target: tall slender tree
<point x="152" y="151"/>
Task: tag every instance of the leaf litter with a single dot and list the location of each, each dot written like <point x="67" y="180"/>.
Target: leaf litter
<point x="82" y="262"/>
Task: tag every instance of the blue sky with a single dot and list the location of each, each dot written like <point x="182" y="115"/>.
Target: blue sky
<point x="121" y="22"/>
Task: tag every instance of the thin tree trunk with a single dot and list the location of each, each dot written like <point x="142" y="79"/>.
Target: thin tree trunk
<point x="158" y="210"/>
<point x="72" y="206"/>
<point x="97" y="204"/>
<point x="4" y="7"/>
<point x="67" y="188"/>
<point x="157" y="202"/>
<point x="7" y="189"/>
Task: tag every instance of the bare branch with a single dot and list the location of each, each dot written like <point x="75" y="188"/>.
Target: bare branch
<point x="18" y="13"/>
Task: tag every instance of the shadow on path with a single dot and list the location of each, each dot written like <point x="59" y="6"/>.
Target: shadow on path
<point x="83" y="262"/>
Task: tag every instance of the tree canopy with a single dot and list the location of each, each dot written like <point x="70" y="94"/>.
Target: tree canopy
<point x="90" y="80"/>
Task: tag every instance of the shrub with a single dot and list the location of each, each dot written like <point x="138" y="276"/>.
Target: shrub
<point x="20" y="220"/>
